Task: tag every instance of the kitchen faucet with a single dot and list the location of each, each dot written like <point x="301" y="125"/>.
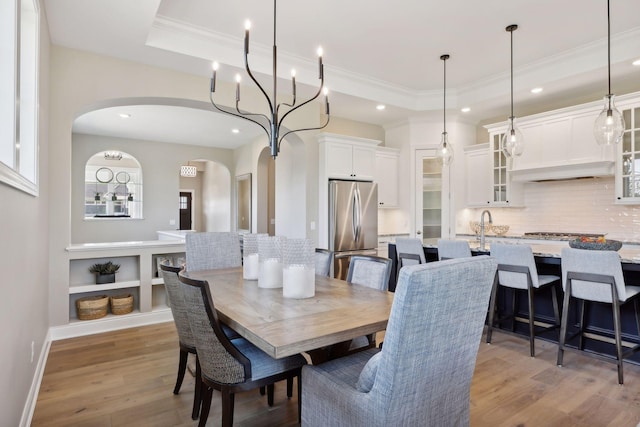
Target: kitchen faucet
<point x="482" y="227"/>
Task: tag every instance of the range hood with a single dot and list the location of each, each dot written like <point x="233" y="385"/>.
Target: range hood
<point x="564" y="171"/>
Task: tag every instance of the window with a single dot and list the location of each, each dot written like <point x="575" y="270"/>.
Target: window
<point x="112" y="186"/>
<point x="19" y="52"/>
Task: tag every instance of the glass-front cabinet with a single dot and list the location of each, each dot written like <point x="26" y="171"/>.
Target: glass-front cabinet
<point x="628" y="159"/>
<point x="431" y="198"/>
<point x="499" y="183"/>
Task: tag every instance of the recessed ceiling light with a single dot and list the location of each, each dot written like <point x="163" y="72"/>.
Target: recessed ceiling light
<point x="235" y="130"/>
<point x="536" y="90"/>
<point x="636" y="62"/>
<point x="465" y="109"/>
<point x="124" y="115"/>
<point x="381" y="107"/>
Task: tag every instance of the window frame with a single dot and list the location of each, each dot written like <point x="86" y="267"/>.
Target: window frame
<point x="23" y="173"/>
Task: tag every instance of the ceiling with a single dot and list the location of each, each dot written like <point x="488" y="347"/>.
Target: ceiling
<point x="376" y="52"/>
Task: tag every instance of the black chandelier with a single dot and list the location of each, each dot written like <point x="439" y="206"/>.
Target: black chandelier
<point x="272" y="122"/>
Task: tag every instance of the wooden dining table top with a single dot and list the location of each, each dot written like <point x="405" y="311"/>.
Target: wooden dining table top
<point x="280" y="326"/>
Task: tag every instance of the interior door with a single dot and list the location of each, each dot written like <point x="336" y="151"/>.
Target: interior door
<point x="432" y="197"/>
<point x="185" y="210"/>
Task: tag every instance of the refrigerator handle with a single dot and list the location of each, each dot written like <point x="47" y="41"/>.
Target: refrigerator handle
<point x="354" y="214"/>
<point x="357" y="207"/>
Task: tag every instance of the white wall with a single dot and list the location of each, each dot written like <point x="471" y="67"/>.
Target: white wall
<point x="217" y="190"/>
<point x="24" y="231"/>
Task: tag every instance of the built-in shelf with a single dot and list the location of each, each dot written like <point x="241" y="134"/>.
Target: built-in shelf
<point x="109" y="316"/>
<point x="78" y="289"/>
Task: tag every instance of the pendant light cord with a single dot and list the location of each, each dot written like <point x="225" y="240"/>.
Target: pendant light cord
<point x="444" y="101"/>
<point x="511" y="73"/>
<point x="609" y="52"/>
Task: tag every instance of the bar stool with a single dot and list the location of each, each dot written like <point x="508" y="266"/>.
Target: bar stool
<point x="590" y="275"/>
<point x="448" y="249"/>
<point x="517" y="270"/>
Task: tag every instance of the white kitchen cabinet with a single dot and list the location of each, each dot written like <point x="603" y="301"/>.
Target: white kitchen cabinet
<point x="503" y="191"/>
<point x="628" y="157"/>
<point x="349" y="158"/>
<point x="477" y="169"/>
<point x="387" y="176"/>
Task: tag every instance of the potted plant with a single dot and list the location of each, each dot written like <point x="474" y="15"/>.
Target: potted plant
<point x="105" y="272"/>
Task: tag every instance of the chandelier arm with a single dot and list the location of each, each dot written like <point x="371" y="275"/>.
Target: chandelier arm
<point x="246" y="113"/>
<point x="241" y="115"/>
<point x="248" y="70"/>
<point x="302" y="130"/>
<point x="304" y="103"/>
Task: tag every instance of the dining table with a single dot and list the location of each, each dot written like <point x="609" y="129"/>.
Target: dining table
<point x="281" y="327"/>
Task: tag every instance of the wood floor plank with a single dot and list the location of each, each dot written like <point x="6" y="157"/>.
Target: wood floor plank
<point x="126" y="378"/>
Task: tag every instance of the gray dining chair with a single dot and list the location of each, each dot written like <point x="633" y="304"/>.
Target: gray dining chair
<point x="212" y="250"/>
<point x="372" y="272"/>
<point x="422" y="376"/>
<point x="186" y="341"/>
<point x="448" y="248"/>
<point x="596" y="276"/>
<point x="229" y="366"/>
<point x="517" y="270"/>
<point x="323" y="261"/>
<point x="409" y="251"/>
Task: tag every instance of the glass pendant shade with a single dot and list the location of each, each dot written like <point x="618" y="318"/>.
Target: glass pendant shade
<point x="609" y="125"/>
<point x="445" y="150"/>
<point x="512" y="141"/>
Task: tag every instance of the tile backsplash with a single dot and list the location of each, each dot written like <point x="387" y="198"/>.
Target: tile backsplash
<point x="580" y="206"/>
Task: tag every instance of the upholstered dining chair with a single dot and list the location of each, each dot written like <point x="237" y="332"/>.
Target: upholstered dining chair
<point x="517" y="270"/>
<point x="596" y="276"/>
<point x="422" y="375"/>
<point x="448" y="248"/>
<point x="410" y="251"/>
<point x="185" y="337"/>
<point x="323" y="261"/>
<point x="372" y="272"/>
<point x="212" y="250"/>
<point x="229" y="366"/>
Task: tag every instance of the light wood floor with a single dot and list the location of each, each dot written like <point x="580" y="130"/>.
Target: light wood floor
<point x="126" y="378"/>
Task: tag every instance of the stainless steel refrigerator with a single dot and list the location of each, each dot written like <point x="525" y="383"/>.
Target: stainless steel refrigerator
<point x="353" y="222"/>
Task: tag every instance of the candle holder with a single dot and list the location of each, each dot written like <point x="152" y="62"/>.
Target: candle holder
<point x="250" y="263"/>
<point x="299" y="270"/>
<point x="270" y="261"/>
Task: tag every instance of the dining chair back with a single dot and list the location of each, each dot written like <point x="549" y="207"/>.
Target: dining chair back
<point x="410" y="251"/>
<point x="226" y="365"/>
<point x="589" y="275"/>
<point x="370" y="271"/>
<point x="448" y="249"/>
<point x="517" y="270"/>
<point x="422" y="375"/>
<point x="323" y="262"/>
<point x="212" y="250"/>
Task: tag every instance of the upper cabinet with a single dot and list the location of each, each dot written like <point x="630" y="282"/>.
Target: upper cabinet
<point x="346" y="157"/>
<point x="504" y="191"/>
<point x="476" y="162"/>
<point x="628" y="158"/>
<point x="387" y="176"/>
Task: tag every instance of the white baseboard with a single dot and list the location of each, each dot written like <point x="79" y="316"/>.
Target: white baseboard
<point x="79" y="329"/>
<point x="113" y="323"/>
<point x="32" y="397"/>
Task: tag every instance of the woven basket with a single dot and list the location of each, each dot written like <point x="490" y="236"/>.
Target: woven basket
<point x="122" y="304"/>
<point x="93" y="307"/>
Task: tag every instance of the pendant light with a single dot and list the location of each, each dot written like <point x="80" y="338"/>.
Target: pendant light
<point x="609" y="125"/>
<point x="445" y="150"/>
<point x="512" y="141"/>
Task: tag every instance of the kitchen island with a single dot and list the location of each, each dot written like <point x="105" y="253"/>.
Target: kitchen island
<point x="547" y="255"/>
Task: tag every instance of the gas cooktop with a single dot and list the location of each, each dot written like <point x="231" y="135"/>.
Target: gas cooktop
<point x="549" y="235"/>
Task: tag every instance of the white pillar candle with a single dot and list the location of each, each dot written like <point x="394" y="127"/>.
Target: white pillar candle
<point x="299" y="282"/>
<point x="250" y="267"/>
<point x="270" y="273"/>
